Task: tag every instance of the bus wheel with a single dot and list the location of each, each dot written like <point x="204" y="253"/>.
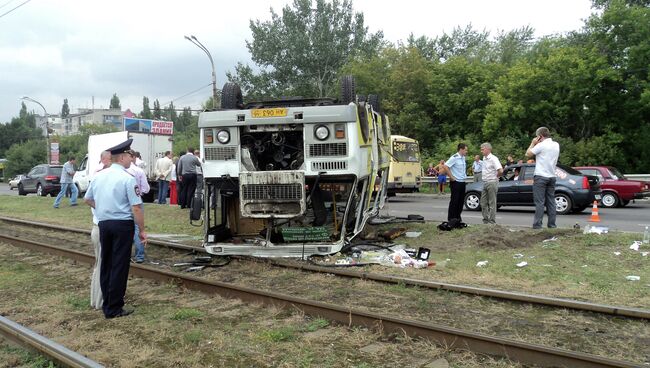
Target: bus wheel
<point x="231" y="97"/>
<point x="348" y="89"/>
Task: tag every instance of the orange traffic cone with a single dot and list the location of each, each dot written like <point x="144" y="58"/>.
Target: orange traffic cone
<point x="594" y="213"/>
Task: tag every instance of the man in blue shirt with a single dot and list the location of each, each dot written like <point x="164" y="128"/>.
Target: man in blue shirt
<point x="456" y="168"/>
<point x="115" y="196"/>
<point x="67" y="175"/>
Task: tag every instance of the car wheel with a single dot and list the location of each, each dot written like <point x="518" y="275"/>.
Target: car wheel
<point x="473" y="201"/>
<point x="21" y="190"/>
<point x="609" y="200"/>
<point x="563" y="204"/>
<point x="39" y="191"/>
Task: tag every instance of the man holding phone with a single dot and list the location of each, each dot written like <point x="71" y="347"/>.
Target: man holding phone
<point x="546" y="153"/>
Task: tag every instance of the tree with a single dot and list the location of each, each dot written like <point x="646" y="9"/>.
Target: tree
<point x="65" y="109"/>
<point x="115" y="102"/>
<point x="302" y="50"/>
<point x="157" y="112"/>
<point x="169" y="113"/>
<point x="146" y="110"/>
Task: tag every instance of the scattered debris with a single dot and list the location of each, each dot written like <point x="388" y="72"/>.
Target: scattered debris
<point x="481" y="263"/>
<point x="576" y="226"/>
<point x="645" y="254"/>
<point x="550" y="239"/>
<point x="522" y="264"/>
<point x="584" y="266"/>
<point x="518" y="255"/>
<point x="617" y="253"/>
<point x="596" y="229"/>
<point x="635" y="246"/>
<point x="633" y="278"/>
<point x="393" y="233"/>
<point x="413" y="234"/>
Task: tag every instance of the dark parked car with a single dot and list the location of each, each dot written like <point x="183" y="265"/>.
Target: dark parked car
<point x="617" y="189"/>
<point x="43" y="179"/>
<point x="573" y="190"/>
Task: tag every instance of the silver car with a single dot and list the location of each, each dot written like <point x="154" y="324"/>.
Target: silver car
<point x="13" y="183"/>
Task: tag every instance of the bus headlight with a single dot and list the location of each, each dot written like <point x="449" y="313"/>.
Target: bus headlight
<point x="321" y="132"/>
<point x="223" y="136"/>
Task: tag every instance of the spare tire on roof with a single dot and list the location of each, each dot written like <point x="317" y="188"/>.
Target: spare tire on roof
<point x="231" y="97"/>
<point x="348" y="89"/>
<point x="373" y="100"/>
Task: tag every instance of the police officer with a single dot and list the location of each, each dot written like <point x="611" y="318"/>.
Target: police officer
<point x="115" y="197"/>
<point x="456" y="169"/>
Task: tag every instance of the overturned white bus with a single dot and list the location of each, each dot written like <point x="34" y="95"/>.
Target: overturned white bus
<point x="292" y="177"/>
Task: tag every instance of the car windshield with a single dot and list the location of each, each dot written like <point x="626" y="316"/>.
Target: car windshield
<point x="615" y="174"/>
<point x="406" y="151"/>
<point x="569" y="170"/>
<point x="55" y="171"/>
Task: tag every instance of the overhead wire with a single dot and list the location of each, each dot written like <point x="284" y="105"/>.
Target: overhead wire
<point x="23" y="3"/>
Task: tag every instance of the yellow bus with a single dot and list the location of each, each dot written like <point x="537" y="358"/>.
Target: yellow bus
<point x="405" y="170"/>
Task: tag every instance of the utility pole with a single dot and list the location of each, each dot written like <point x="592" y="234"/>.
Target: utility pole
<point x="47" y="126"/>
<point x="193" y="40"/>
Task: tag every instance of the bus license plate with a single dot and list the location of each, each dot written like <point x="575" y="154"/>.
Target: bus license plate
<point x="269" y="113"/>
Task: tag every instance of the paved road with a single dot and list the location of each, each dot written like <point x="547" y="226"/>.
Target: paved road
<point x="633" y="218"/>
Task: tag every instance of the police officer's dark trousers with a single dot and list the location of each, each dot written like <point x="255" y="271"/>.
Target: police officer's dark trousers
<point x="456" y="201"/>
<point x="116" y="237"/>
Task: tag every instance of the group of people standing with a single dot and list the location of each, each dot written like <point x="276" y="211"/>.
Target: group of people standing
<point x="489" y="169"/>
<point x="178" y="177"/>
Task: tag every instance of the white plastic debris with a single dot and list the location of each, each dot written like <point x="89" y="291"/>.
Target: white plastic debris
<point x="645" y="254"/>
<point x="413" y="234"/>
<point x="550" y="239"/>
<point x="633" y="278"/>
<point x="518" y="255"/>
<point x="584" y="266"/>
<point x="522" y="264"/>
<point x="635" y="246"/>
<point x="596" y="230"/>
<point x="617" y="253"/>
<point x="481" y="264"/>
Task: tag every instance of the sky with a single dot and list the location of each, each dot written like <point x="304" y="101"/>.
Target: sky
<point x="87" y="50"/>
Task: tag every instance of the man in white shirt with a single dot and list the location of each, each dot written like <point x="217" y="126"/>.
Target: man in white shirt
<point x="546" y="153"/>
<point x="163" y="174"/>
<point x="491" y="172"/>
<point x="143" y="185"/>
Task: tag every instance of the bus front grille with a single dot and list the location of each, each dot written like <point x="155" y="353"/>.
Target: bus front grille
<point x="328" y="149"/>
<point x="272" y="192"/>
<point x="220" y="153"/>
<point x="326" y="166"/>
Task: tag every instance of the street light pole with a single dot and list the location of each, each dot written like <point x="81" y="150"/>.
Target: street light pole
<point x="47" y="126"/>
<point x="193" y="40"/>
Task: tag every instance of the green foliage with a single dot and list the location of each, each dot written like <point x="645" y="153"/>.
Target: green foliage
<point x="146" y="110"/>
<point x="287" y="333"/>
<point x="302" y="49"/>
<point x="65" y="109"/>
<point x="22" y="157"/>
<point x="157" y="112"/>
<point x="115" y="102"/>
<point x="187" y="313"/>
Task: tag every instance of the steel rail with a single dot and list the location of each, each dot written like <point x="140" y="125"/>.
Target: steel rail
<point x="522" y="352"/>
<point x="33" y="341"/>
<point x="472" y="290"/>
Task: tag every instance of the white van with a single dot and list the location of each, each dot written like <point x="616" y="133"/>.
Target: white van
<point x="151" y="148"/>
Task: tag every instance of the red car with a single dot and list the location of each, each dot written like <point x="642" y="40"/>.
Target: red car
<point x="617" y="190"/>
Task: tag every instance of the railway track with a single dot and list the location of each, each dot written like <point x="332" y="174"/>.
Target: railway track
<point x="525" y="353"/>
<point x="30" y="340"/>
<point x="465" y="289"/>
